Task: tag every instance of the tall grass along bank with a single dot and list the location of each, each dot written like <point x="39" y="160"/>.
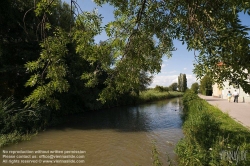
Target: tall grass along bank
<point x="153" y="95"/>
<point x="211" y="136"/>
<point x="18" y="124"/>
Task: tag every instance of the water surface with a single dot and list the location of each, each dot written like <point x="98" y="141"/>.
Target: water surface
<point x="119" y="136"/>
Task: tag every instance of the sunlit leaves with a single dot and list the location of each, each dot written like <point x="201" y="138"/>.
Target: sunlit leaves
<point x="231" y="47"/>
<point x="49" y="71"/>
<point x="141" y="34"/>
<point x="44" y="6"/>
<point x="138" y="44"/>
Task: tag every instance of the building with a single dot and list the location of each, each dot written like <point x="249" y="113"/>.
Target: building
<point x="222" y="92"/>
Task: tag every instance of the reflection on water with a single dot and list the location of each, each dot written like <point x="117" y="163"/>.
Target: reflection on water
<point x="120" y="136"/>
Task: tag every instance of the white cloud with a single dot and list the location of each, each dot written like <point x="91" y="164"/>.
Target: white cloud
<point x="169" y="79"/>
<point x="191" y="79"/>
<point x="185" y="68"/>
<point x="164" y="80"/>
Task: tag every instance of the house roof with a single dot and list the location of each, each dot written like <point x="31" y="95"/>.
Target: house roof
<point x="220" y="63"/>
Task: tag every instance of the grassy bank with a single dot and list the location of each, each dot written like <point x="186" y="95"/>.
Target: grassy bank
<point x="211" y="137"/>
<point x="153" y="95"/>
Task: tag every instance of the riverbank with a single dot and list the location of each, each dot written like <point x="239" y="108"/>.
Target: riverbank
<point x="14" y="137"/>
<point x="211" y="136"/>
<point x="153" y="95"/>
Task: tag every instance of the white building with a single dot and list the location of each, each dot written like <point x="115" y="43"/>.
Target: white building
<point x="222" y="92"/>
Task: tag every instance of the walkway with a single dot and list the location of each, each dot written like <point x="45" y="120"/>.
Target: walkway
<point x="238" y="111"/>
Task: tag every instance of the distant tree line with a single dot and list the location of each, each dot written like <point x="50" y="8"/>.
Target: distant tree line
<point x="181" y="86"/>
<point x="205" y="87"/>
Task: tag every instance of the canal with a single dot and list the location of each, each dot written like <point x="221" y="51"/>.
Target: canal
<point x="120" y="136"/>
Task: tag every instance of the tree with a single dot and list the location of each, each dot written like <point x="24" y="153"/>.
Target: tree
<point x="206" y="85"/>
<point x="182" y="82"/>
<point x="195" y="87"/>
<point x="145" y="80"/>
<point x="227" y="57"/>
<point x="173" y="86"/>
<point x="213" y="29"/>
<point x="143" y="32"/>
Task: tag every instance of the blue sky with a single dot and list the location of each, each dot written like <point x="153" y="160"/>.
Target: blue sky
<point x="181" y="61"/>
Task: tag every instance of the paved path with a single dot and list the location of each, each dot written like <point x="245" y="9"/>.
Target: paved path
<point x="238" y="111"/>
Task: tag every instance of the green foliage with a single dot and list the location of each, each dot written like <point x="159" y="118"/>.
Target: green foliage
<point x="134" y="50"/>
<point x="227" y="55"/>
<point x="209" y="132"/>
<point x="161" y="88"/>
<point x="189" y="96"/>
<point x="12" y="138"/>
<point x="195" y="87"/>
<point x="13" y="118"/>
<point x="68" y="64"/>
<point x="213" y="29"/>
<point x="145" y="80"/>
<point x="138" y="38"/>
<point x="173" y="86"/>
<point x="43" y="6"/>
<point x="206" y="85"/>
<point x="50" y="71"/>
<point x="153" y="95"/>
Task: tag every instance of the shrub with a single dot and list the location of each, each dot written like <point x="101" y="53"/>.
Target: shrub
<point x="161" y="88"/>
<point x="13" y="118"/>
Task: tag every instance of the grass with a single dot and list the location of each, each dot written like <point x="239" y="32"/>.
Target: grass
<point x="17" y="124"/>
<point x="211" y="136"/>
<point x="153" y="95"/>
<point x="155" y="154"/>
<point x="13" y="138"/>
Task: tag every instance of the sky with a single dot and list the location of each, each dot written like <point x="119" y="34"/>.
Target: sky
<point x="181" y="62"/>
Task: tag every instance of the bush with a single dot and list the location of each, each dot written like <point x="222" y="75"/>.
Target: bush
<point x="161" y="88"/>
<point x="13" y="118"/>
<point x="189" y="96"/>
<point x="195" y="87"/>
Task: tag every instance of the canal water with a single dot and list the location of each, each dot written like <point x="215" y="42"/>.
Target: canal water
<point x="121" y="136"/>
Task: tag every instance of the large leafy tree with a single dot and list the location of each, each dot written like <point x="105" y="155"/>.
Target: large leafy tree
<point x="212" y="28"/>
<point x="142" y="33"/>
<point x="173" y="86"/>
<point x="227" y="58"/>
